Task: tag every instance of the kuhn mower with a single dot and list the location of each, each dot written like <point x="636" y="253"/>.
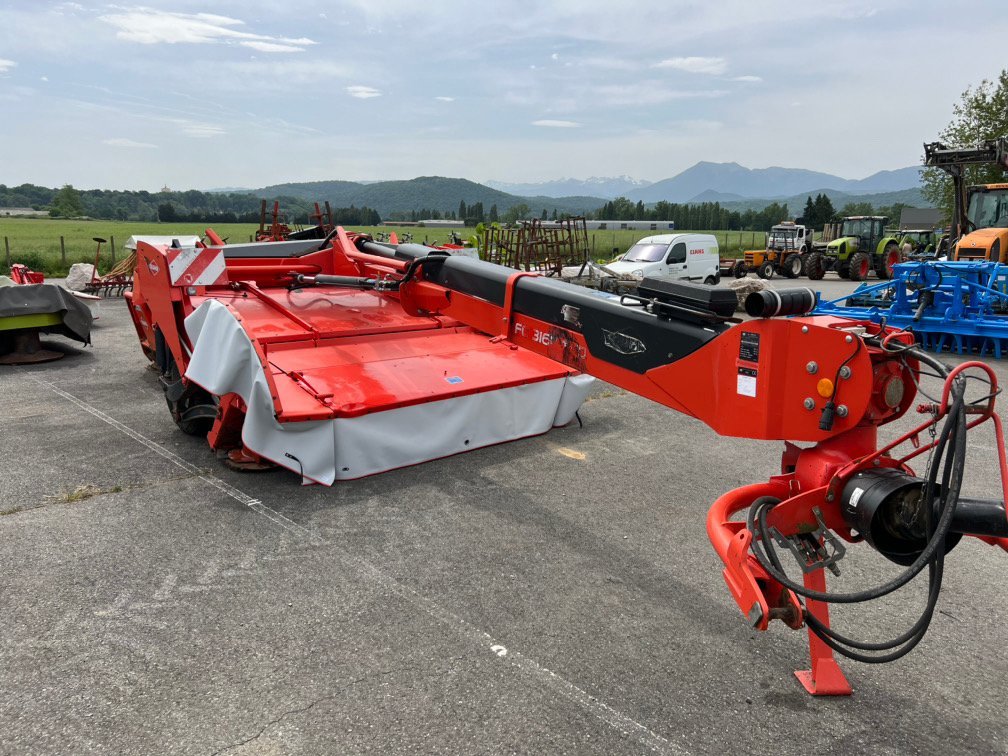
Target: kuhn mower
<point x="29" y="307"/>
<point x="348" y="357"/>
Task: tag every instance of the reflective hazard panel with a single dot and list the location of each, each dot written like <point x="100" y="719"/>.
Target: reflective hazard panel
<point x="196" y="266"/>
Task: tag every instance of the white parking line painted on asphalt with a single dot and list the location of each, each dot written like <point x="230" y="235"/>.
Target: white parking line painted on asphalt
<point x="543" y="675"/>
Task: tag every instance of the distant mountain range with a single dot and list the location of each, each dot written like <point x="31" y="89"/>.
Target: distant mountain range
<point x="595" y="186"/>
<point x="430" y="192"/>
<point x="730" y="184"/>
<point x="731" y="181"/>
<point x="796" y="202"/>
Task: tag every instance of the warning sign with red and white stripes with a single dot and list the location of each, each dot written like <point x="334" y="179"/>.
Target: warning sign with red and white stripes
<point x="196" y="266"/>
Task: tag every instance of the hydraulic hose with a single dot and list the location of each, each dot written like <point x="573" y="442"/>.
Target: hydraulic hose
<point x="949" y="462"/>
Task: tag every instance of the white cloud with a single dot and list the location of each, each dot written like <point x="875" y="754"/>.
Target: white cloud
<point x="120" y="142"/>
<point x="442" y="98"/>
<point x="150" y="27"/>
<point x="272" y="47"/>
<point x="695" y="64"/>
<point x="201" y="130"/>
<point x="44" y="78"/>
<point x="555" y="56"/>
<point x="362" y="93"/>
<point x="752" y="79"/>
<point x="6" y="65"/>
<point x="549" y="123"/>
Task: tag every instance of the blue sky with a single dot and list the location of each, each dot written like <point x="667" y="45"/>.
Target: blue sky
<point x="199" y="95"/>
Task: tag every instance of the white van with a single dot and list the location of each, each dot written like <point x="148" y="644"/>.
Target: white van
<point x="694" y="257"/>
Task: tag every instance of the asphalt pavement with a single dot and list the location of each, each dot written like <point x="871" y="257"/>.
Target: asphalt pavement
<point x="552" y="595"/>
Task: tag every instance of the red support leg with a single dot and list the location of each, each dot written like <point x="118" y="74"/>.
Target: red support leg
<point x="824" y="678"/>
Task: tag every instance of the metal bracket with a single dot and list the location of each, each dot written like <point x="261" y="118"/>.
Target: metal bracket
<point x="815" y="549"/>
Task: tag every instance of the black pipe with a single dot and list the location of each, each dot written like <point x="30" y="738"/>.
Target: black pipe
<point x="358" y="282"/>
<point x="980" y="517"/>
<point x="771" y="303"/>
<point x="376" y="248"/>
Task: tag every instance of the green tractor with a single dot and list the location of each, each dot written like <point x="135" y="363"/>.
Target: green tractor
<point x="923" y="243"/>
<point x="863" y="246"/>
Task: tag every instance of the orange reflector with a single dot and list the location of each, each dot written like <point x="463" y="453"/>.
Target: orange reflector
<point x="825" y="388"/>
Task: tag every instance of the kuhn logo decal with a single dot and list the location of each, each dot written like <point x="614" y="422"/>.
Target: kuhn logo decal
<point x="622" y="343"/>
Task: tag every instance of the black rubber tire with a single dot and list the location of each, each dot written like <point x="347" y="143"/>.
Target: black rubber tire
<point x="765" y="270"/>
<point x="739" y="269"/>
<point x="889" y="257"/>
<point x="859" y="265"/>
<point x="792" y="267"/>
<point x="193" y="396"/>
<point x="709" y="281"/>
<point x="815" y="266"/>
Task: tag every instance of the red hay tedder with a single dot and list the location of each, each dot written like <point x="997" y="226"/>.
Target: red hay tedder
<point x="346" y="357"/>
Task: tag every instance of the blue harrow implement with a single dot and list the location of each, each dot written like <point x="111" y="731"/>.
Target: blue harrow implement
<point x="959" y="307"/>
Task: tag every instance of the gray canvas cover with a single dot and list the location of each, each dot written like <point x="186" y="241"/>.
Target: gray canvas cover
<point x="38" y="299"/>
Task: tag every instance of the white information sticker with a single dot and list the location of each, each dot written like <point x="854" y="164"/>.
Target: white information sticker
<point x="746" y="385"/>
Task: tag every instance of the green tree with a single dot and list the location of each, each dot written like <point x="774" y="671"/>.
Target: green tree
<point x="825" y="212"/>
<point x="980" y="114"/>
<point x="66" y="203"/>
<point x="494" y="217"/>
<point x="809" y="216"/>
<point x="516" y="212"/>
<point x="857" y="208"/>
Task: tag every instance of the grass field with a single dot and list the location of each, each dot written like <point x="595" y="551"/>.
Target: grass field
<point x="36" y="241"/>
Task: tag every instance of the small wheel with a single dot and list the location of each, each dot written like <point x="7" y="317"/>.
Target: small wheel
<point x="709" y="281"/>
<point x="190" y="422"/>
<point x="739" y="269"/>
<point x="766" y="270"/>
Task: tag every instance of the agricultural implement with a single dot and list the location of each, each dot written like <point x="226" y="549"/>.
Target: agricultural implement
<point x="280" y="230"/>
<point x="28" y="308"/>
<point x="543" y="247"/>
<point x="114" y="283"/>
<point x="349" y="357"/>
<point x="959" y="307"/>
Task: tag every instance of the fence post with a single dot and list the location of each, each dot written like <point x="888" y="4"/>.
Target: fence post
<point x="62" y="252"/>
<point x="112" y="247"/>
<point x="6" y="245"/>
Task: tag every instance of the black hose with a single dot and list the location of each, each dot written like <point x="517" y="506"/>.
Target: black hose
<point x="934" y="543"/>
<point x="949" y="459"/>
